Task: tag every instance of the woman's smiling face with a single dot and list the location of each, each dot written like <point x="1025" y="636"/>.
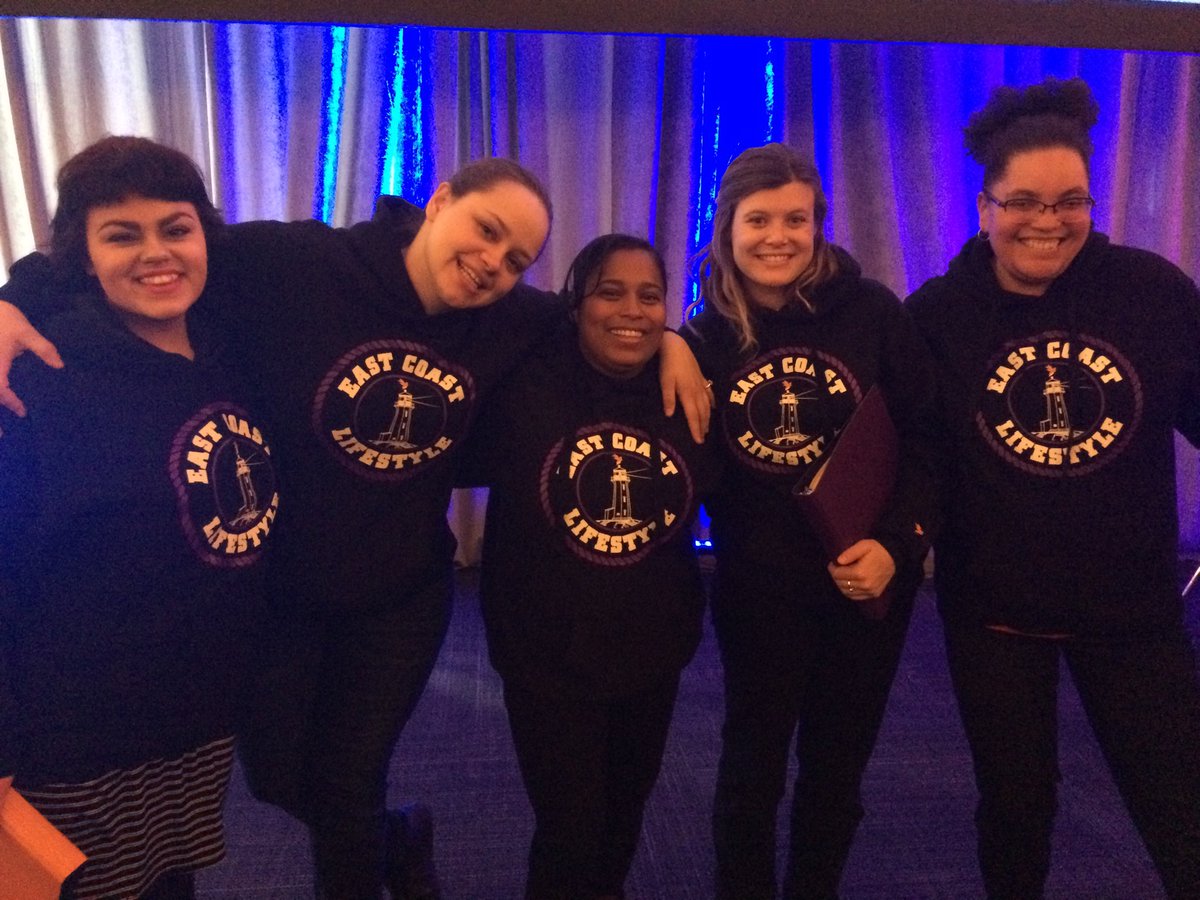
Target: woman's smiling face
<point x="473" y="249"/>
<point x="622" y="318"/>
<point x="1032" y="249"/>
<point x="772" y="238"/>
<point x="150" y="257"/>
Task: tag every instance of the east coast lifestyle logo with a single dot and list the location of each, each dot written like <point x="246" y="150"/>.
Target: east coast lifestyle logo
<point x="388" y="407"/>
<point x="616" y="492"/>
<point x="1058" y="403"/>
<point x="226" y="485"/>
<point x="778" y="411"/>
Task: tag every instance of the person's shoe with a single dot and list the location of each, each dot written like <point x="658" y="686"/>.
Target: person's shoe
<point x="410" y="871"/>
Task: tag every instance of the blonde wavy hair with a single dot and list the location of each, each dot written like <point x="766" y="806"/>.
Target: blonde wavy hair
<point x="758" y="169"/>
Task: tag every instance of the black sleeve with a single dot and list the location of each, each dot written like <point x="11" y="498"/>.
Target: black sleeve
<point x="532" y="329"/>
<point x="18" y="508"/>
<point x="477" y="461"/>
<point x="249" y="264"/>
<point x="34" y="288"/>
<point x="1188" y="416"/>
<point x="907" y="379"/>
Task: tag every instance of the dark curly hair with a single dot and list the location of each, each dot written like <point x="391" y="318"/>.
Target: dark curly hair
<point x="1053" y="113"/>
<point x="585" y="270"/>
<point x="110" y="171"/>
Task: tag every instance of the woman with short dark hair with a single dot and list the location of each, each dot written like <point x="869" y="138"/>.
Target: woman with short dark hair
<point x="136" y="501"/>
<point x="590" y="588"/>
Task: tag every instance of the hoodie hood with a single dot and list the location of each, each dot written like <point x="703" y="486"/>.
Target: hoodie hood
<point x="91" y="332"/>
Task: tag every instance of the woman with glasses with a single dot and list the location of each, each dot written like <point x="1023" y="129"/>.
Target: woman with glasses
<point x="1066" y="364"/>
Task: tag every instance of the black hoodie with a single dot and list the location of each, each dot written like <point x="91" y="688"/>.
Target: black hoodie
<point x="590" y="578"/>
<point x="820" y="364"/>
<point x="369" y="396"/>
<point x="136" y="502"/>
<point x="1060" y="412"/>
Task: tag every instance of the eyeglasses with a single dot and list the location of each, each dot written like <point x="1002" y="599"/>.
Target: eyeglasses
<point x="1028" y="207"/>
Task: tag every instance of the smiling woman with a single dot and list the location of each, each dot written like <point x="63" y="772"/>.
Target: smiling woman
<point x="621" y="315"/>
<point x="793" y="337"/>
<point x="772" y="240"/>
<point x="591" y="590"/>
<point x="482" y="230"/>
<point x="124" y="659"/>
<point x="151" y="260"/>
<point x="1067" y="364"/>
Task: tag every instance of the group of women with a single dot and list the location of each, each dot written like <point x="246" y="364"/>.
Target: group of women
<point x="155" y="605"/>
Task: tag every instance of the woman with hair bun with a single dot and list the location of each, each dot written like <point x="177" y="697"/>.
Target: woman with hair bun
<point x="1066" y="364"/>
<point x="794" y="336"/>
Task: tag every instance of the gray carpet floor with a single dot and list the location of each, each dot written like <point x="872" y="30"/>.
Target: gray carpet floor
<point x="916" y="843"/>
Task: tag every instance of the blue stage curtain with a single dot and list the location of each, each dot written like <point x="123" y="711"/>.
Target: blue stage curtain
<point x="630" y="132"/>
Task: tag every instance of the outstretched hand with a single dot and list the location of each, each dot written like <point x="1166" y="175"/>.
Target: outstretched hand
<point x="683" y="381"/>
<point x="16" y="337"/>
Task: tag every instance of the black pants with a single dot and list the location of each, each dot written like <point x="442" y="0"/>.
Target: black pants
<point x="334" y="695"/>
<point x="1143" y="702"/>
<point x="588" y="765"/>
<point x="816" y="668"/>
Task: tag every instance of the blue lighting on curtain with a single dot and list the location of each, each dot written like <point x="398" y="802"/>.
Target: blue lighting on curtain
<point x="328" y="153"/>
<point x="408" y="148"/>
<point x="280" y="46"/>
<point x="822" y="113"/>
<point x="735" y="101"/>
<point x="225" y="110"/>
<point x="769" y="90"/>
<point x="652" y="213"/>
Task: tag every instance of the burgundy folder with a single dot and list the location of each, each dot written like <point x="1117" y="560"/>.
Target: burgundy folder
<point x="845" y="499"/>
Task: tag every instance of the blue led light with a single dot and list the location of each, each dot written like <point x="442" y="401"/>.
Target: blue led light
<point x="735" y="102"/>
<point x="334" y="104"/>
<point x="769" y="89"/>
<point x="389" y="180"/>
<point x="406" y="153"/>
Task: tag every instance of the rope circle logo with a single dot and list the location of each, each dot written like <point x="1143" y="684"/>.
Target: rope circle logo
<point x="387" y="407"/>
<point x="781" y="409"/>
<point x="226" y="485"/>
<point x="1059" y="403"/>
<point x="616" y="491"/>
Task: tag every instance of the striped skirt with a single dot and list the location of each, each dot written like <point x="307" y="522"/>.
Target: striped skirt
<point x="136" y="824"/>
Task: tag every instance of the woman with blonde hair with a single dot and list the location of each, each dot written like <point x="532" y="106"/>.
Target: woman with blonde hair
<point x="794" y="336"/>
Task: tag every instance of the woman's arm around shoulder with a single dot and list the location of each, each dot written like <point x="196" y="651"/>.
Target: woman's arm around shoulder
<point x="33" y="289"/>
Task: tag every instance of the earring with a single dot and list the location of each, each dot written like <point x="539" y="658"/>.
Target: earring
<point x="983" y="235"/>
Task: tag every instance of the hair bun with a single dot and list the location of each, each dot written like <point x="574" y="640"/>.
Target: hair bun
<point x="1071" y="99"/>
